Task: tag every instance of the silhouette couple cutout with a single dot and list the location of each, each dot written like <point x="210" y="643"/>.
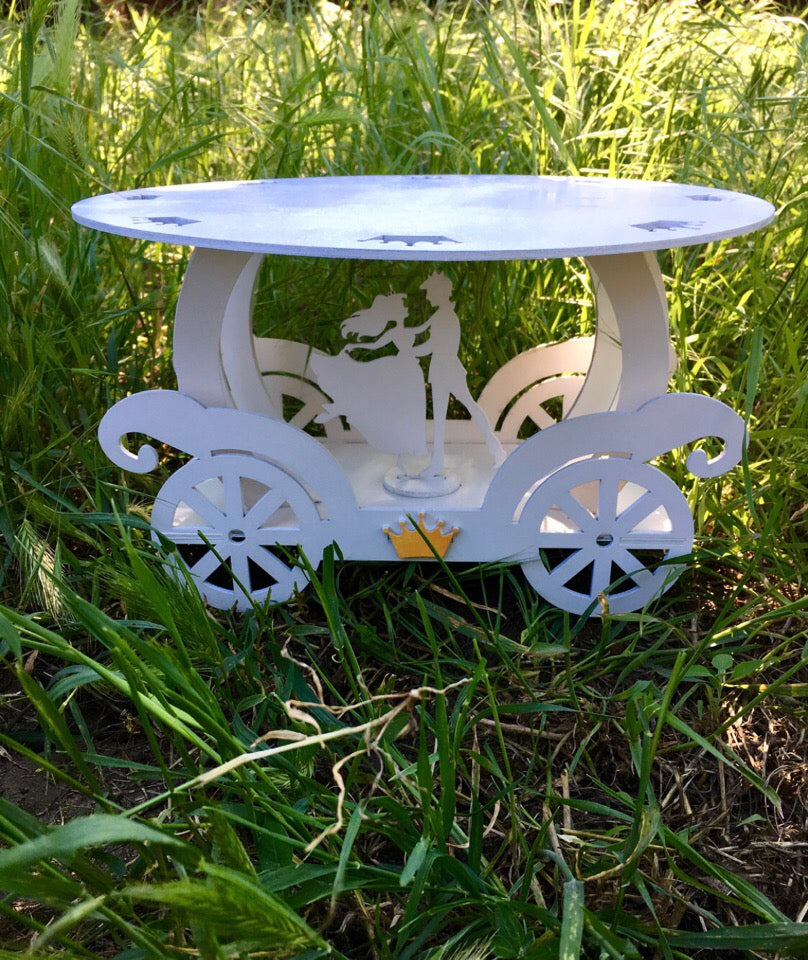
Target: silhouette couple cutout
<point x="385" y="398"/>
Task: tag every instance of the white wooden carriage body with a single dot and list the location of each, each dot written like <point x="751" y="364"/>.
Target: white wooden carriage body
<point x="578" y="504"/>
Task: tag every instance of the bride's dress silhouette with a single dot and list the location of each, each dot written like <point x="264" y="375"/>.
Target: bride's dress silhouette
<point x="383" y="398"/>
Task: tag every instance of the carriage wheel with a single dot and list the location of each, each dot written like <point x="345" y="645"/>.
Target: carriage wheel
<point x="605" y="526"/>
<point x="237" y="522"/>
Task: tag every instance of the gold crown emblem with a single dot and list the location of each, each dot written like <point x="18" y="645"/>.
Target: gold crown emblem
<point x="411" y="544"/>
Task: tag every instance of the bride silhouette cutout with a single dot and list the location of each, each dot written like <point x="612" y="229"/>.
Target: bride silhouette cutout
<point x="384" y="398"/>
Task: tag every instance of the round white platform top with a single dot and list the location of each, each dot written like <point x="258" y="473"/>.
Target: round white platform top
<point x="449" y="217"/>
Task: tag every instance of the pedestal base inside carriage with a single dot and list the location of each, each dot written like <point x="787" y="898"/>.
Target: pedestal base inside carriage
<point x="469" y="464"/>
<point x="422" y="485"/>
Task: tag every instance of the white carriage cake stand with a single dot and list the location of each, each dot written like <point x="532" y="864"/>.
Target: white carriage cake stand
<point x="593" y="524"/>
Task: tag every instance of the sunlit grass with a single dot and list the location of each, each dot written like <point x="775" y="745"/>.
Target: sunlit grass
<point x="520" y="784"/>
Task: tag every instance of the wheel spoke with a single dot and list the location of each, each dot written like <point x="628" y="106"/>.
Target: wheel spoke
<point x="567" y="569"/>
<point x="601" y="573"/>
<point x="241" y="570"/>
<point x="264" y="508"/>
<point x="271" y="564"/>
<point x="608" y="488"/>
<point x="626" y="561"/>
<point x="203" y="506"/>
<point x="636" y="512"/>
<point x="644" y="578"/>
<point x="205" y="566"/>
<point x="233" y="496"/>
<point x="574" y="509"/>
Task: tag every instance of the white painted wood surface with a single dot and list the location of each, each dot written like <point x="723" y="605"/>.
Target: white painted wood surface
<point x="334" y="492"/>
<point x="577" y="504"/>
<point x="429" y="217"/>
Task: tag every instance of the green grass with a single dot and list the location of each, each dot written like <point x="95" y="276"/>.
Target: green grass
<point x="449" y="768"/>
